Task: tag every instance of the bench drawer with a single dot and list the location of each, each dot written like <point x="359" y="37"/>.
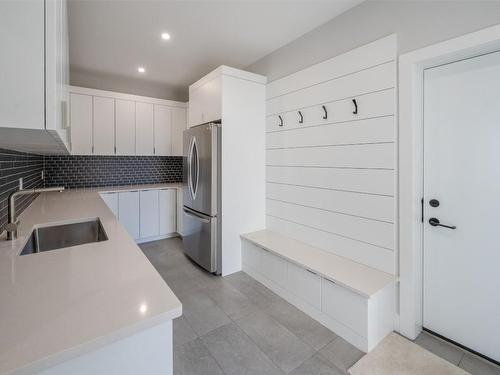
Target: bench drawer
<point x="346" y="307"/>
<point x="304" y="284"/>
<point x="273" y="267"/>
<point x="251" y="255"/>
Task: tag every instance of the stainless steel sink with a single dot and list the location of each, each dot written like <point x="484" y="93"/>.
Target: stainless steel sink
<point x="64" y="235"/>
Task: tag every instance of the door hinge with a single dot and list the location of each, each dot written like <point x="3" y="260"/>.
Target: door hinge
<point x="154" y="150"/>
<point x="422" y="210"/>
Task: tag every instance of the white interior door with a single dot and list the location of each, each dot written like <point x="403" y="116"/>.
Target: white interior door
<point x="462" y="172"/>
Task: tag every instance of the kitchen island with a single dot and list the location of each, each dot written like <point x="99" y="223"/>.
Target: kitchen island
<point x="97" y="308"/>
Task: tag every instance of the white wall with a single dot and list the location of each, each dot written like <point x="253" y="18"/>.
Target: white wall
<point x="417" y="24"/>
<point x="331" y="182"/>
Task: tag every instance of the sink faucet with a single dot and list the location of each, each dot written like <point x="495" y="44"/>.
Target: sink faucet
<point x="11" y="226"/>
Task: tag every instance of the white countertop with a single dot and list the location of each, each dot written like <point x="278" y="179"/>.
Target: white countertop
<point x="59" y="304"/>
<point x="357" y="277"/>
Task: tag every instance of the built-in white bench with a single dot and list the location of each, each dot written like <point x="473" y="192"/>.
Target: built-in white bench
<point x="353" y="300"/>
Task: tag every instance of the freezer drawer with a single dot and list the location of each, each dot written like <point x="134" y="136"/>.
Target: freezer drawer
<point x="200" y="238"/>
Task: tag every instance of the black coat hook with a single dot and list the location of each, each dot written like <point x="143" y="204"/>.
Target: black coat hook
<point x="301" y="121"/>
<point x="281" y="120"/>
<point x="355" y="107"/>
<point x="326" y="113"/>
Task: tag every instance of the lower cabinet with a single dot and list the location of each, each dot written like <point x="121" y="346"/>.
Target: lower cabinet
<point x="352" y="312"/>
<point x="147" y="214"/>
<point x="111" y="199"/>
<point x="273" y="267"/>
<point x="168" y="211"/>
<point x="149" y="211"/>
<point x="305" y="284"/>
<point x="128" y="212"/>
<point x="362" y="321"/>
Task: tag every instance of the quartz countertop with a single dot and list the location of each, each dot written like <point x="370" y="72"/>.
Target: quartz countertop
<point x="60" y="304"/>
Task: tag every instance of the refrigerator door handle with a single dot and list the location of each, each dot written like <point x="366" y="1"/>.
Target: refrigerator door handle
<point x="196" y="215"/>
<point x="193" y="157"/>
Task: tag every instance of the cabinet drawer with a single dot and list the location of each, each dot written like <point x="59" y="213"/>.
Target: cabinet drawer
<point x="348" y="308"/>
<point x="273" y="267"/>
<point x="251" y="255"/>
<point x="305" y="284"/>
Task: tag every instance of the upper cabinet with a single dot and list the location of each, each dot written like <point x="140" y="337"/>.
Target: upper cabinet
<point x="205" y="98"/>
<point x="111" y="123"/>
<point x="35" y="74"/>
<point x="125" y="127"/>
<point x="144" y="128"/>
<point x="179" y="124"/>
<point x="162" y="130"/>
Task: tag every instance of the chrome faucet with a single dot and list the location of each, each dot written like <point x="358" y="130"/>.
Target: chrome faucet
<point x="12" y="224"/>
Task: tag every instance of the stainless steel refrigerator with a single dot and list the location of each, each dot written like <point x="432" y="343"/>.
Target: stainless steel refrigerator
<point x="201" y="211"/>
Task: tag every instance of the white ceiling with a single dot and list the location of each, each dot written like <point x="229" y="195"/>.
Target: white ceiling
<point x="116" y="36"/>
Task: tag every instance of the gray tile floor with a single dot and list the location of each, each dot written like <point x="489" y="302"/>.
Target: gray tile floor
<point x="235" y="325"/>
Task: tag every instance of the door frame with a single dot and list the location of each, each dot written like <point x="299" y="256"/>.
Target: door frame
<point x="410" y="149"/>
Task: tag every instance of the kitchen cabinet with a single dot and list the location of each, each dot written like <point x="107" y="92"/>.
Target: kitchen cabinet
<point x="125" y="127"/>
<point x="162" y="130"/>
<point x="111" y="200"/>
<point x="144" y="122"/>
<point x="179" y="124"/>
<point x="128" y="205"/>
<point x="111" y="123"/>
<point x="35" y="75"/>
<point x="236" y="98"/>
<point x="104" y="126"/>
<point x="149" y="213"/>
<point x="205" y="101"/>
<point x="168" y="208"/>
<point x="81" y="124"/>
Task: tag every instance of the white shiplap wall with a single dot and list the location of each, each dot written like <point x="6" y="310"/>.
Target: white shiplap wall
<point x="331" y="182"/>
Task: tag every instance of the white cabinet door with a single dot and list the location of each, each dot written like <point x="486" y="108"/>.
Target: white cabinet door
<point x="22" y="64"/>
<point x="104" y="126"/>
<point x="111" y="200"/>
<point x="125" y="127"/>
<point x="162" y="130"/>
<point x="180" y="204"/>
<point x="195" y="107"/>
<point x="304" y="284"/>
<point x="128" y="204"/>
<point x="179" y="124"/>
<point x="212" y="100"/>
<point x="273" y="267"/>
<point x="168" y="208"/>
<point x="347" y="307"/>
<point x="144" y="141"/>
<point x="149" y="217"/>
<point x="251" y="255"/>
<point x="81" y="124"/>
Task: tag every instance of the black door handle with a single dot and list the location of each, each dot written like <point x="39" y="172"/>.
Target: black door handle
<point x="435" y="223"/>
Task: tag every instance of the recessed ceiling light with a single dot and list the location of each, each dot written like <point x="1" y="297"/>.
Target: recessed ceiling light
<point x="141" y="69"/>
<point x="165" y="36"/>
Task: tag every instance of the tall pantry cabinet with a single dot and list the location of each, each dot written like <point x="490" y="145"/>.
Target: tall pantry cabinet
<point x="237" y="99"/>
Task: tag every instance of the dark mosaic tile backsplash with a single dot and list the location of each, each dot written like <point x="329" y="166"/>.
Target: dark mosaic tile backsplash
<point x="78" y="172"/>
<point x="14" y="165"/>
<point x="88" y="171"/>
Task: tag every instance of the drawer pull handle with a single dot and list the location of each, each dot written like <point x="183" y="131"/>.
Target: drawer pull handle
<point x="301" y="121"/>
<point x="281" y="120"/>
<point x="355" y="112"/>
